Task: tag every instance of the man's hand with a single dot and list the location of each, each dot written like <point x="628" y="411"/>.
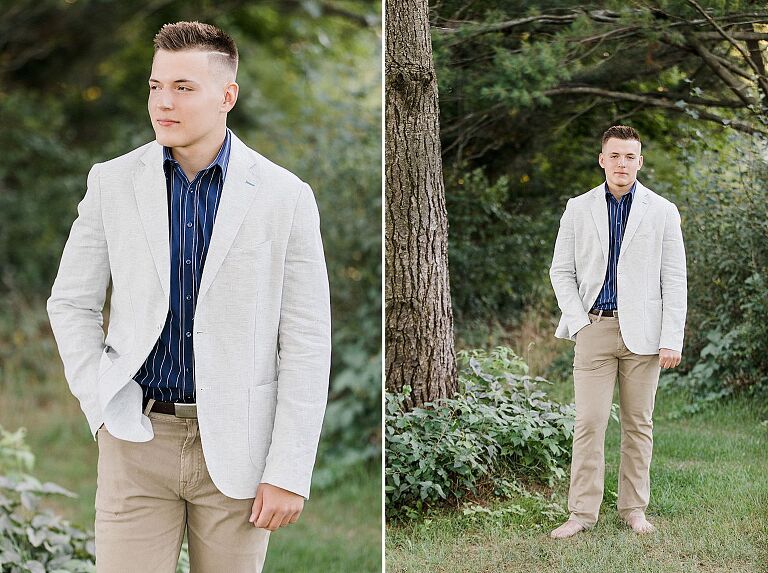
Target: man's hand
<point x="275" y="507"/>
<point x="668" y="358"/>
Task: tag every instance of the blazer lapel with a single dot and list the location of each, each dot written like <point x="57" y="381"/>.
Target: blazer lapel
<point x="636" y="213"/>
<point x="152" y="200"/>
<point x="600" y="217"/>
<point x="240" y="188"/>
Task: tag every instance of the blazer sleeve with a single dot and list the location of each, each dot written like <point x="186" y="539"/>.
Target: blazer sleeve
<point x="77" y="300"/>
<point x="304" y="349"/>
<point x="562" y="274"/>
<point x="673" y="283"/>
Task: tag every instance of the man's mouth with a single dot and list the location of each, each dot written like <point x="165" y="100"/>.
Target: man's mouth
<point x="166" y="122"/>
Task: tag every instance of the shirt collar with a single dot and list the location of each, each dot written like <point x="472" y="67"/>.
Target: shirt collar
<point x="222" y="158"/>
<point x="631" y="193"/>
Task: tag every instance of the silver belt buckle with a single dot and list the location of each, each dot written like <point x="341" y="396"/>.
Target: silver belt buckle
<point x="185" y="410"/>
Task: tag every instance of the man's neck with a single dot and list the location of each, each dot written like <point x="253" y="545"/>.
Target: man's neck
<point x="619" y="192"/>
<point x="196" y="157"/>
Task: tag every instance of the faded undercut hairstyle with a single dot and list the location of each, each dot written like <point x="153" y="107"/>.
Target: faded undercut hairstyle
<point x="621" y="132"/>
<point x="183" y="36"/>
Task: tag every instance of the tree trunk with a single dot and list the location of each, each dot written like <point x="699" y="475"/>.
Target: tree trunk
<point x="419" y="319"/>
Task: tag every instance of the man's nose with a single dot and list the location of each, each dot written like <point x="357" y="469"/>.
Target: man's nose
<point x="164" y="101"/>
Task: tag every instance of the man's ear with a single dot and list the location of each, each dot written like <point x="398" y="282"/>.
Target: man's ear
<point x="600" y="160"/>
<point x="639" y="163"/>
<point x="230" y="96"/>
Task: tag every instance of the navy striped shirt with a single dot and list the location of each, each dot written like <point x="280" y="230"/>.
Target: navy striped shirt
<point x="618" y="214"/>
<point x="168" y="374"/>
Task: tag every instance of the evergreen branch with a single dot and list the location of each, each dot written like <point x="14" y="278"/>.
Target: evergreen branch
<point x="661" y="102"/>
<point x="721" y="72"/>
<point x="753" y="36"/>
<point x="732" y="67"/>
<point x="475" y="29"/>
<point x="472" y="28"/>
<point x="761" y="79"/>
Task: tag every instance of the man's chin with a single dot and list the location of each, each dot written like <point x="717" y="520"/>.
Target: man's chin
<point x="167" y="141"/>
<point x="623" y="182"/>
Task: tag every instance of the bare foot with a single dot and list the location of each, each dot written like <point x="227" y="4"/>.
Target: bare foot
<point x="639" y="524"/>
<point x="567" y="529"/>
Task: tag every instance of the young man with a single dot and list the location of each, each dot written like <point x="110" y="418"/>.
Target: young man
<point x="618" y="272"/>
<point x="209" y="391"/>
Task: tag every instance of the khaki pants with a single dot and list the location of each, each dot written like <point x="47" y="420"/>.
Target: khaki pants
<point x="148" y="493"/>
<point x="600" y="356"/>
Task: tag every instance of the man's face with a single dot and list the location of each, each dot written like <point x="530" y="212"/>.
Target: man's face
<point x="189" y="97"/>
<point x="621" y="161"/>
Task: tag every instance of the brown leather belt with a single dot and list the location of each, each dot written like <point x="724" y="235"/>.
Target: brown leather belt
<point x="598" y="312"/>
<point x="177" y="409"/>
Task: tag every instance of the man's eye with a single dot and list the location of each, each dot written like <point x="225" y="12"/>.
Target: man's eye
<point x="153" y="87"/>
<point x="183" y="88"/>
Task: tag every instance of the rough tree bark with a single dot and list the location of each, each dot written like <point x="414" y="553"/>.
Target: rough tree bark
<point x="419" y="319"/>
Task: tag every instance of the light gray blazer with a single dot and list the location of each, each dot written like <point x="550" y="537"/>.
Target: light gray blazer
<point x="261" y="326"/>
<point x="651" y="270"/>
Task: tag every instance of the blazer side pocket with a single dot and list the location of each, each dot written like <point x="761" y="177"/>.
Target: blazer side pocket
<point x="106" y="361"/>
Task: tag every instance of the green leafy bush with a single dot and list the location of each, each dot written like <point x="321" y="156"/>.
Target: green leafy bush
<point x="500" y="422"/>
<point x="493" y="231"/>
<point x="725" y="223"/>
<point x="352" y="426"/>
<point x="33" y="540"/>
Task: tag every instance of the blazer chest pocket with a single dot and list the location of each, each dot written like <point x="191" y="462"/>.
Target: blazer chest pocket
<point x="243" y="273"/>
<point x="262" y="402"/>
<point x="249" y="252"/>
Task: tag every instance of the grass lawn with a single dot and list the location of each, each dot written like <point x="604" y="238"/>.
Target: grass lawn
<point x="339" y="530"/>
<point x="709" y="501"/>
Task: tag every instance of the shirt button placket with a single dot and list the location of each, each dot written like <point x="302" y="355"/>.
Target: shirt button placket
<point x="189" y="255"/>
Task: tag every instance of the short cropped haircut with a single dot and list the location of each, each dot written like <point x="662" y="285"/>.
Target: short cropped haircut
<point x="183" y="36"/>
<point x="620" y="132"/>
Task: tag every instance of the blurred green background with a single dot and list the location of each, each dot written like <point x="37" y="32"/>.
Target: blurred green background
<point x="73" y="88"/>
